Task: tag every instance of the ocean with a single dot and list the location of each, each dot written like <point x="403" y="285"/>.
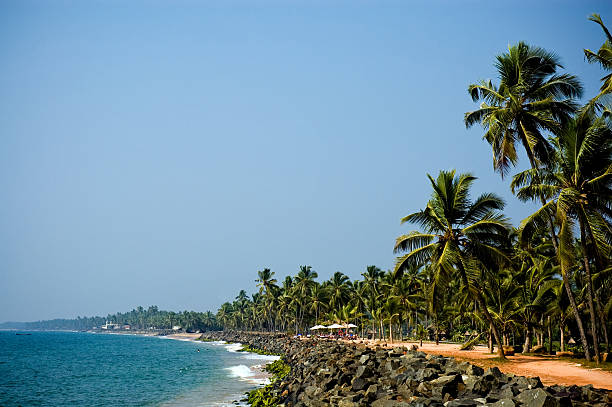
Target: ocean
<point x="86" y="369"/>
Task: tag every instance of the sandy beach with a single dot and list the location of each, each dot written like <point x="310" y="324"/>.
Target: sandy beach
<point x="183" y="336"/>
<point x="549" y="369"/>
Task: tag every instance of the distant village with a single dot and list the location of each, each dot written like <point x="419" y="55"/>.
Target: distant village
<point x="110" y="326"/>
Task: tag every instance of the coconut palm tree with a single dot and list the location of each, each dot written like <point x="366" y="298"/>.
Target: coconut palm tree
<point x="531" y="98"/>
<point x="603" y="57"/>
<point x="267" y="284"/>
<point x="458" y="237"/>
<point x="371" y="282"/>
<point x="303" y="283"/>
<point x="318" y="301"/>
<point x="391" y="310"/>
<point x="265" y="281"/>
<point x="338" y="290"/>
<point x="579" y="190"/>
<point x="407" y="290"/>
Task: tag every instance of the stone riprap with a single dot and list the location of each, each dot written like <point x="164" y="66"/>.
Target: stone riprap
<point x="330" y="373"/>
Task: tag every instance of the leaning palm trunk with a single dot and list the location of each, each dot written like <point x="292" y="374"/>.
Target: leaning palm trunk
<point x="566" y="283"/>
<point x="481" y="303"/>
<point x="516" y="108"/>
<point x="583" y="339"/>
<point x="485" y="311"/>
<point x="587" y="269"/>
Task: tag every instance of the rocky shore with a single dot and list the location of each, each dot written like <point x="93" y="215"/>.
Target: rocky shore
<point x="325" y="373"/>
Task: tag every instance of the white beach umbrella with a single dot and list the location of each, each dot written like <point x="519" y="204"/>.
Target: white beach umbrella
<point x="351" y="326"/>
<point x="335" y="326"/>
<point x="317" y="327"/>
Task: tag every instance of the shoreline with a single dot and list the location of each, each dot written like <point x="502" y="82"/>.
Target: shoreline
<point x="550" y="369"/>
<point x="355" y="375"/>
<point x="256" y="377"/>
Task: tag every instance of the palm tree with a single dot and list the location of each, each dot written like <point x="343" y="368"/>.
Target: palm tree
<point x="504" y="304"/>
<point x="579" y="189"/>
<point x="552" y="296"/>
<point x="317" y="301"/>
<point x="603" y="57"/>
<point x="371" y="280"/>
<point x="391" y="309"/>
<point x="338" y="289"/>
<point x="267" y="284"/>
<point x="406" y="290"/>
<point x="531" y="98"/>
<point x="265" y="281"/>
<point x="303" y="283"/>
<point x="459" y="236"/>
<point x="536" y="273"/>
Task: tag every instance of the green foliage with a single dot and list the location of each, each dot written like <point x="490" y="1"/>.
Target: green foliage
<point x="279" y="369"/>
<point x="139" y="318"/>
<point x="262" y="397"/>
<point x="258" y="351"/>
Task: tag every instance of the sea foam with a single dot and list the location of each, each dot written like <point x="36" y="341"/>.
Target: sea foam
<point x="233" y="347"/>
<point x="249" y="374"/>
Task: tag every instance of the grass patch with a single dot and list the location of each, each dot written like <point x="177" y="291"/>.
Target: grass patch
<point x="250" y="349"/>
<point x="263" y="397"/>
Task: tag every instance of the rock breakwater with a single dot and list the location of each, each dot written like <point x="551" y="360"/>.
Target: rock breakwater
<point x="330" y="373"/>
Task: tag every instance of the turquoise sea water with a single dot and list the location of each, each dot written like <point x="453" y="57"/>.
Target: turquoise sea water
<point x="84" y="369"/>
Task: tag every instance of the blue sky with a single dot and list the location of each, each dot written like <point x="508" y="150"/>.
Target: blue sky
<point x="162" y="152"/>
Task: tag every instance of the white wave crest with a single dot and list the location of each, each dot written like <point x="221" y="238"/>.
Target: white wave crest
<point x="255" y="356"/>
<point x="241" y="371"/>
<point x="233" y="347"/>
<point x="246" y="373"/>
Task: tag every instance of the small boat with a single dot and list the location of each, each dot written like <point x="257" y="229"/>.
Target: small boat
<point x="22" y="333"/>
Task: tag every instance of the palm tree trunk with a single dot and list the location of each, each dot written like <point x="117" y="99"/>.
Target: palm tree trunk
<point x="562" y="338"/>
<point x="373" y="328"/>
<point x="570" y="295"/>
<point x="485" y="311"/>
<point x="602" y="321"/>
<point x="436" y="332"/>
<point x="555" y="243"/>
<point x="600" y="266"/>
<point x="527" y="345"/>
<point x="390" y="332"/>
<point x="550" y="348"/>
<point x="590" y="295"/>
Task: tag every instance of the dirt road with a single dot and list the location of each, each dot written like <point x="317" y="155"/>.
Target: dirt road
<point x="550" y="369"/>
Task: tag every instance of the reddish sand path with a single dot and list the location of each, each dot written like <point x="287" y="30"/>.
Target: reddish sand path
<point x="550" y="370"/>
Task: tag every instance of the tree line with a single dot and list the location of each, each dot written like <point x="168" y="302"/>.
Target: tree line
<point x="465" y="270"/>
<point x="138" y="319"/>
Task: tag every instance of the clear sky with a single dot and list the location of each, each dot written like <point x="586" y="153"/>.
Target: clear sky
<point x="162" y="152"/>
